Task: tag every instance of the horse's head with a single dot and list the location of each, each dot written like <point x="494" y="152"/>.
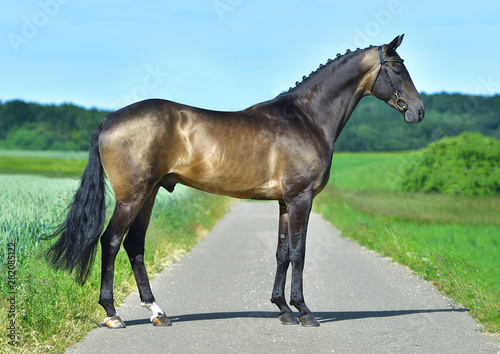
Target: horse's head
<point x="392" y="82"/>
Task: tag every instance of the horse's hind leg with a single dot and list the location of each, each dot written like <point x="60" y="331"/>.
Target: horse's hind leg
<point x="134" y="245"/>
<point x="111" y="239"/>
<point x="283" y="259"/>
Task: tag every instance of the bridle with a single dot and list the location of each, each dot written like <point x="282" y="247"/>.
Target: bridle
<point x="400" y="101"/>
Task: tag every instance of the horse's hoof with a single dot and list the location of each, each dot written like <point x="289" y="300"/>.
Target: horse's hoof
<point x="113" y="322"/>
<point x="308" y="320"/>
<point x="288" y="318"/>
<point x="161" y="320"/>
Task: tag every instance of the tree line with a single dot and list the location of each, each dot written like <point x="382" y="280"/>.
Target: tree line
<point x="32" y="126"/>
<point x="372" y="127"/>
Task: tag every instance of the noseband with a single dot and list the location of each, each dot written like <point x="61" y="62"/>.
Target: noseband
<point x="400" y="101"/>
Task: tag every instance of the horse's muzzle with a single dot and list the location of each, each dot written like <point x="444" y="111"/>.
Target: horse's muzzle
<point x="414" y="114"/>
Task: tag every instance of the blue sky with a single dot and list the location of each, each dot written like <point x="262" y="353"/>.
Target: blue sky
<point x="230" y="54"/>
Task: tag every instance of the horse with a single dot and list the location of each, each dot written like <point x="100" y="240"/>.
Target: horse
<point x="279" y="149"/>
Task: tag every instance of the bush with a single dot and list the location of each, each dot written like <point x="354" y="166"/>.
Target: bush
<point x="468" y="165"/>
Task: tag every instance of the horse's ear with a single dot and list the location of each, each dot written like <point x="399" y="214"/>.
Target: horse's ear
<point x="396" y="42"/>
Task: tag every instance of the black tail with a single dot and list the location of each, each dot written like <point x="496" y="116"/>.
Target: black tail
<point x="80" y="231"/>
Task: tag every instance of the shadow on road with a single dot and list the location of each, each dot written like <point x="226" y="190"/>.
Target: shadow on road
<point x="357" y="315"/>
<point x="322" y="317"/>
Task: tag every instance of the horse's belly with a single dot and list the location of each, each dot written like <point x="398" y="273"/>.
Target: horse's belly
<point x="245" y="186"/>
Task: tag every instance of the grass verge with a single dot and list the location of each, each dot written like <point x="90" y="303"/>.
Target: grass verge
<point x="452" y="241"/>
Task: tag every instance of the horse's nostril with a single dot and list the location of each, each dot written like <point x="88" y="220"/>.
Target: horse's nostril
<point x="421" y="114"/>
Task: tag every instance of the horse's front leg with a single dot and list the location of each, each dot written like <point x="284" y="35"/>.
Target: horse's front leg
<point x="299" y="209"/>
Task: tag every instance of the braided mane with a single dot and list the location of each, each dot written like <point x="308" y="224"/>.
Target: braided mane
<point x="328" y="62"/>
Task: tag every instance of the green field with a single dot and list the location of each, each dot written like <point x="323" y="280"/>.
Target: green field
<point x="450" y="240"/>
<point x="54" y="163"/>
<point x="58" y="164"/>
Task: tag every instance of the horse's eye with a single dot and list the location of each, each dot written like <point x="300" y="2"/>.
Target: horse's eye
<point x="397" y="72"/>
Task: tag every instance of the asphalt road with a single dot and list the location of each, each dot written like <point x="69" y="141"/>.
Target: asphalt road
<point x="217" y="297"/>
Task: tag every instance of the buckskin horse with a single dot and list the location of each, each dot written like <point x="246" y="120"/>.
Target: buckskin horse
<point x="280" y="150"/>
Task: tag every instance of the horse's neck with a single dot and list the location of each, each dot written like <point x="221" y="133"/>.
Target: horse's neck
<point x="329" y="99"/>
